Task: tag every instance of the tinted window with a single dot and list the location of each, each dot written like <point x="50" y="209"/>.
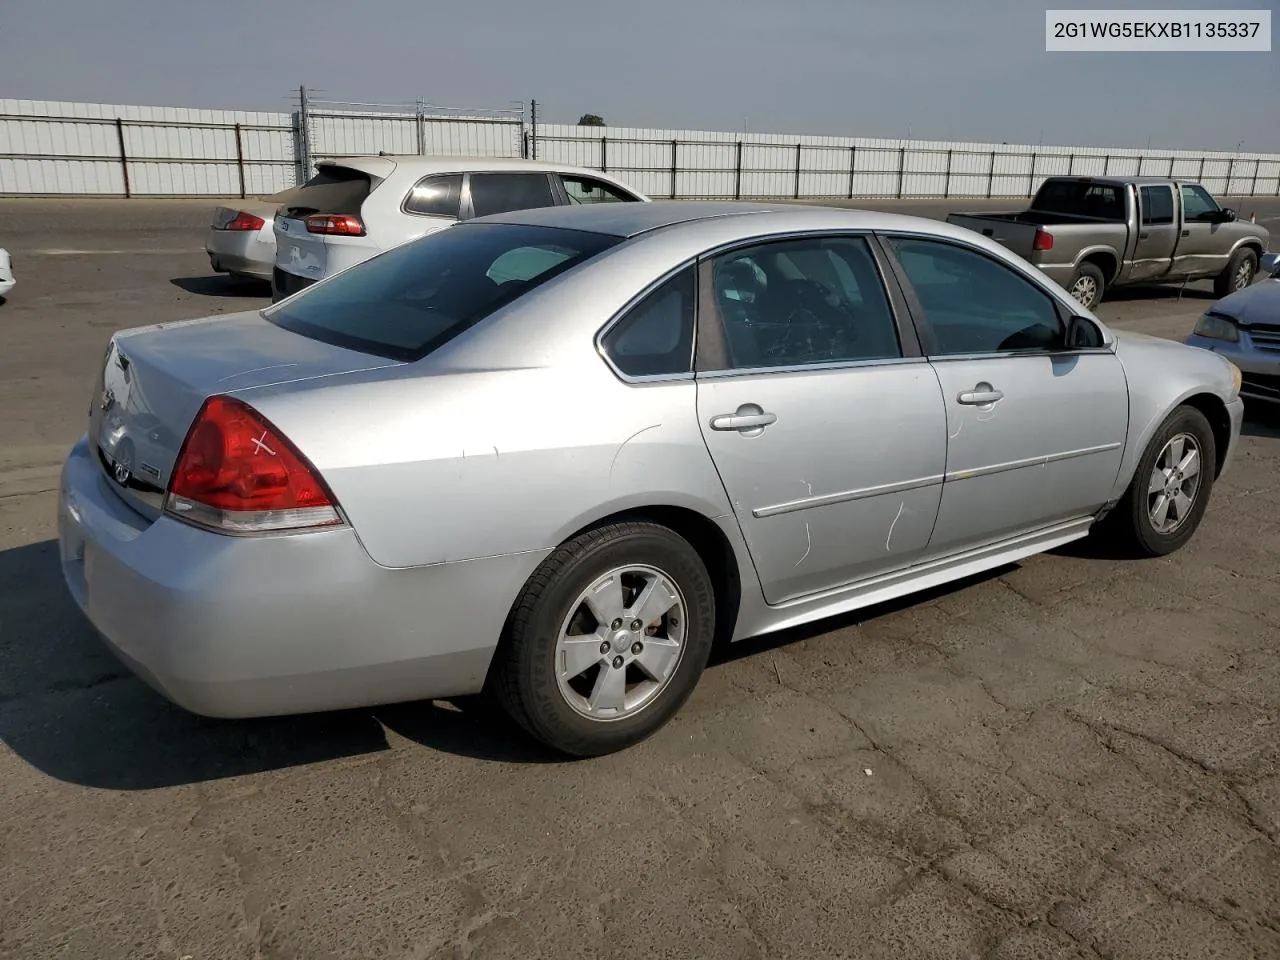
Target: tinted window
<point x="587" y="190"/>
<point x="1081" y="198"/>
<point x="974" y="304"/>
<point x="408" y="301"/>
<point x="815" y="300"/>
<point x="436" y="196"/>
<point x="1197" y="204"/>
<point x="656" y="335"/>
<point x="504" y="192"/>
<point x="1157" y="205"/>
<point x="331" y="190"/>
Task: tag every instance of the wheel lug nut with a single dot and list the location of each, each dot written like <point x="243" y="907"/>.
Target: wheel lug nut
<point x="604" y="647"/>
<point x="636" y="624"/>
<point x="617" y="624"/>
<point x="636" y="648"/>
<point x="617" y="663"/>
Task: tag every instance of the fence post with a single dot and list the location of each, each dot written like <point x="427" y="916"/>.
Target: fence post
<point x="1257" y="164"/>
<point x="604" y="154"/>
<point x="853" y="166"/>
<point x="1231" y="173"/>
<point x="946" y="183"/>
<point x="420" y="123"/>
<point x="674" y="146"/>
<point x="1106" y="164"/>
<point x="302" y="134"/>
<point x="124" y="157"/>
<point x="1200" y="174"/>
<point x="902" y="169"/>
<point x="1071" y="162"/>
<point x="240" y="158"/>
<point x="533" y="128"/>
<point x="991" y="175"/>
<point x="1173" y="162"/>
<point x="1031" y="179"/>
<point x="737" y="170"/>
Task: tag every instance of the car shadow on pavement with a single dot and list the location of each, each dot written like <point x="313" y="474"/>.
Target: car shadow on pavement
<point x="1261" y="419"/>
<point x="72" y="711"/>
<point x="221" y="285"/>
<point x="1161" y="291"/>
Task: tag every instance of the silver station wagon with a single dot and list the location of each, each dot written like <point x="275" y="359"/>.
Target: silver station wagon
<point x="555" y="454"/>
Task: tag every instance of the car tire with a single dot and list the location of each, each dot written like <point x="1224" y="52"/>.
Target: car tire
<point x="1087" y="285"/>
<point x="1134" y="523"/>
<point x="656" y="667"/>
<point x="1239" y="273"/>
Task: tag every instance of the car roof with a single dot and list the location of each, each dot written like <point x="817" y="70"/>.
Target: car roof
<point x="631" y="219"/>
<point x="383" y="164"/>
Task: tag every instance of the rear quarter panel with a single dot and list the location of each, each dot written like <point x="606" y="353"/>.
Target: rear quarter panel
<point x="507" y="440"/>
<point x="1163" y="374"/>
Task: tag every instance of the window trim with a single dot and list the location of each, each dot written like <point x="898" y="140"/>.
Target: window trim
<point x="462" y="194"/>
<point x="625" y="310"/>
<point x="469" y="210"/>
<point x="925" y="332"/>
<point x="711" y="359"/>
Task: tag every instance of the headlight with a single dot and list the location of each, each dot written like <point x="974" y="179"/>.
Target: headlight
<point x="1235" y="379"/>
<point x="1217" y="327"/>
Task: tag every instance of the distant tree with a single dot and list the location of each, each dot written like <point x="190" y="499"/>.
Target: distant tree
<point x="591" y="120"/>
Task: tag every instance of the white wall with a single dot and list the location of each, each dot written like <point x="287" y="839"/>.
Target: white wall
<point x="74" y="148"/>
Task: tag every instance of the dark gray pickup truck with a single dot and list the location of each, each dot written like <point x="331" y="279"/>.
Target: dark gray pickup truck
<point x="1093" y="233"/>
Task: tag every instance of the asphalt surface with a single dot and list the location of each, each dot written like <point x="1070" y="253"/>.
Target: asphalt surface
<point x="1075" y="757"/>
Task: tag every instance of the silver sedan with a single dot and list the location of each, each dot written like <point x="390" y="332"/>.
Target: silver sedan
<point x="555" y="454"/>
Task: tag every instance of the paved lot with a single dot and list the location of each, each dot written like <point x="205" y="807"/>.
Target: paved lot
<point x="1073" y="758"/>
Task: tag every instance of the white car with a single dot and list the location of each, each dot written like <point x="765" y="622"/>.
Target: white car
<point x="6" y="273"/>
<point x="357" y="207"/>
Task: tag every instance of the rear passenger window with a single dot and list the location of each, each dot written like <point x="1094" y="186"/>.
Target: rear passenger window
<point x="503" y="192"/>
<point x="655" y="338"/>
<point x="436" y="196"/>
<point x="800" y="302"/>
<point x="1157" y="206"/>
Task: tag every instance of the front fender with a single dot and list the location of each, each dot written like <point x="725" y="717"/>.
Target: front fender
<point x="1162" y="375"/>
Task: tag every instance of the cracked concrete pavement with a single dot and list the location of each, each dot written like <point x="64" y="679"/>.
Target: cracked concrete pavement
<point x="1075" y="757"/>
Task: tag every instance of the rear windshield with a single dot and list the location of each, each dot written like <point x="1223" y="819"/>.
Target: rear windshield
<point x="332" y="190"/>
<point x="414" y="298"/>
<point x="1081" y="198"/>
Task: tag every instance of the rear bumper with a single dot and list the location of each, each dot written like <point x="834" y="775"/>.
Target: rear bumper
<point x="260" y="626"/>
<point x="241" y="252"/>
<point x="286" y="284"/>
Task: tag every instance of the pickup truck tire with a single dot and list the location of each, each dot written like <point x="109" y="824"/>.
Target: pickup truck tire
<point x="1088" y="285"/>
<point x="1170" y="490"/>
<point x="1238" y="274"/>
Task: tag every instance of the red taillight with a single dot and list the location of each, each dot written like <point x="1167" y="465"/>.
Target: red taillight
<point x="238" y="474"/>
<point x="244" y="221"/>
<point x="1043" y="241"/>
<point x="336" y="224"/>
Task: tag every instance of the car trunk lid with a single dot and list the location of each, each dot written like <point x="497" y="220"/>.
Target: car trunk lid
<point x="336" y="189"/>
<point x="154" y="380"/>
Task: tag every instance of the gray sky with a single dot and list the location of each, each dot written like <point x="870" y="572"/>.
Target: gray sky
<point x="933" y="69"/>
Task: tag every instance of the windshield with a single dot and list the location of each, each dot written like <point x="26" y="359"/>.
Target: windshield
<point x="409" y="301"/>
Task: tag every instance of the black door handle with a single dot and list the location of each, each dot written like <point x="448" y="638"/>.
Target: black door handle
<point x="1186" y="233"/>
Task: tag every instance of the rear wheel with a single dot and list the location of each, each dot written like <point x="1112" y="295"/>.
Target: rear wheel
<point x="607" y="640"/>
<point x="1088" y="285"/>
<point x="1170" y="490"/>
<point x="1238" y="274"/>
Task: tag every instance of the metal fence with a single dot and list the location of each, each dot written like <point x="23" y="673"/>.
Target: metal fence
<point x="95" y="149"/>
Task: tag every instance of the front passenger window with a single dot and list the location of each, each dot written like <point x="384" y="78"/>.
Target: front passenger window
<point x="975" y="305"/>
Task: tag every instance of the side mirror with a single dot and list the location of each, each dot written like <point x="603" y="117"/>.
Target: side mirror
<point x="1226" y="215"/>
<point x="1083" y="334"/>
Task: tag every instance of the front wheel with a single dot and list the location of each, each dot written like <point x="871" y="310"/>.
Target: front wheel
<point x="1088" y="285"/>
<point x="607" y="640"/>
<point x="1238" y="273"/>
<point x="1170" y="490"/>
